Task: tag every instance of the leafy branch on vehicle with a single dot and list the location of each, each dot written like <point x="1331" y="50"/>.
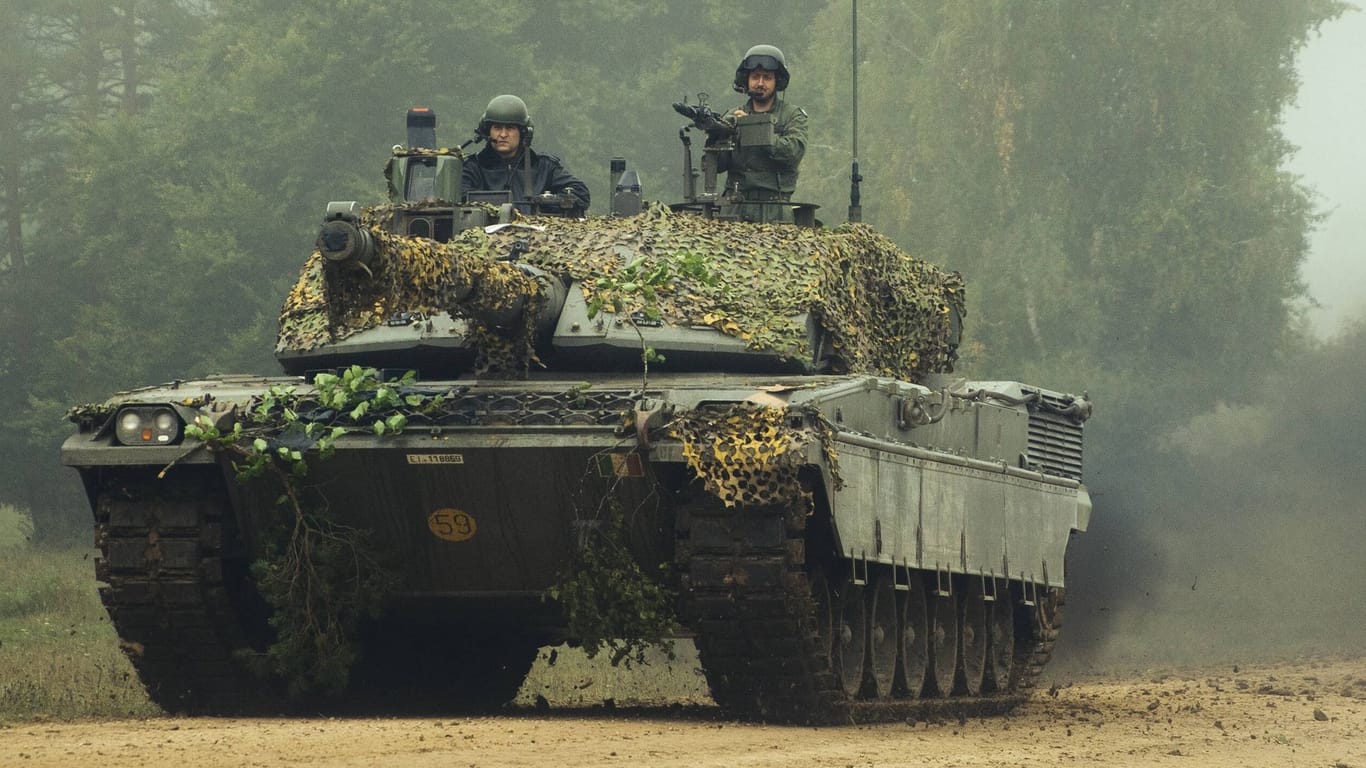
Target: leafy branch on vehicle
<point x="320" y="577"/>
<point x="633" y="294"/>
<point x="610" y="602"/>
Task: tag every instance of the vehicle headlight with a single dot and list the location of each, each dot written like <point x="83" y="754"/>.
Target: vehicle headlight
<point x="147" y="425"/>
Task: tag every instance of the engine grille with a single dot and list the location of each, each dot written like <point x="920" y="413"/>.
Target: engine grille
<point x="1054" y="440"/>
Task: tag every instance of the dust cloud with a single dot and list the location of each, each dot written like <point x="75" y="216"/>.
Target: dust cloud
<point x="1238" y="536"/>
<point x="1240" y="533"/>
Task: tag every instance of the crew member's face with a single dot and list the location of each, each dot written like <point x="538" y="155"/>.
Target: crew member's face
<point x="763" y="83"/>
<point x="505" y="139"/>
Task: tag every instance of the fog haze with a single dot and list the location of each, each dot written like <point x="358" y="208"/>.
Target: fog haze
<point x="1328" y="123"/>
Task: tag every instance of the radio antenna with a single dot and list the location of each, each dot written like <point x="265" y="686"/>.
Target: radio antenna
<point x="855" y="208"/>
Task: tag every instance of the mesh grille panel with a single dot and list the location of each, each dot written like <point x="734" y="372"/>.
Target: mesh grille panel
<point x="474" y="409"/>
<point x="1055" y="441"/>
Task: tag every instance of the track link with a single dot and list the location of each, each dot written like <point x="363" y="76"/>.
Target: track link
<point x="746" y="585"/>
<point x="163" y="565"/>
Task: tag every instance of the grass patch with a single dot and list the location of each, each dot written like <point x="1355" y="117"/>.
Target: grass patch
<point x="16" y="528"/>
<point x="59" y="655"/>
<point x="566" y="677"/>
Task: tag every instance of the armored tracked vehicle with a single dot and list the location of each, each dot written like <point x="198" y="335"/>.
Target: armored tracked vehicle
<point x="753" y="425"/>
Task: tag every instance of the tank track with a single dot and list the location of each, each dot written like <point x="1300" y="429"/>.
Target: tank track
<point x="747" y="592"/>
<point x="163" y="566"/>
<point x="177" y="591"/>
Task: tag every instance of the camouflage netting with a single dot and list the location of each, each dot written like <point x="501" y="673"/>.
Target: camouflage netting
<point x="749" y="455"/>
<point x="417" y="276"/>
<point x="886" y="312"/>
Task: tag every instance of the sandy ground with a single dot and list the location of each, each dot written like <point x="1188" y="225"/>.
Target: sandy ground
<point x="1311" y="713"/>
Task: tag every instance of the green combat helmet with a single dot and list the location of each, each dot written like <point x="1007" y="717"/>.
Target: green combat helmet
<point x="762" y="57"/>
<point x="507" y="110"/>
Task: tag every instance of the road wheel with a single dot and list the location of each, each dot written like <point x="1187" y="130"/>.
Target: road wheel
<point x="975" y="635"/>
<point x="915" y="639"/>
<point x="944" y="642"/>
<point x="882" y="636"/>
<point x="850" y="647"/>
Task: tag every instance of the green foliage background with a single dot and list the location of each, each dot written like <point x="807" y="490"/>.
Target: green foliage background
<point x="1108" y="175"/>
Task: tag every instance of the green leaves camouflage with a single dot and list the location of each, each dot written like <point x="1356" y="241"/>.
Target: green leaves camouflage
<point x="610" y="602"/>
<point x="321" y="578"/>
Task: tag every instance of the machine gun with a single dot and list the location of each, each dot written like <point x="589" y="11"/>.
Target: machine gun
<point x="705" y="119"/>
<point x="724" y="136"/>
<point x="719" y="140"/>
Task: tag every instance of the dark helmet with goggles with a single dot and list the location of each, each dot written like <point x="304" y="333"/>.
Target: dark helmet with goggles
<point x="762" y="57"/>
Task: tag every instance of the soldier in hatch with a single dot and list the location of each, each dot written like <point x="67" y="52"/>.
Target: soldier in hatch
<point x="765" y="173"/>
<point x="507" y="162"/>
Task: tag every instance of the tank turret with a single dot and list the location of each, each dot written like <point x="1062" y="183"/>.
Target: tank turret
<point x="438" y="284"/>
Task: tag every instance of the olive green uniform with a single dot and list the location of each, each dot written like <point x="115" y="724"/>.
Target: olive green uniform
<point x="765" y="174"/>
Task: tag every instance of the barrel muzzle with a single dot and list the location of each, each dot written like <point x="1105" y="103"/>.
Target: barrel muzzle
<point x="341" y="240"/>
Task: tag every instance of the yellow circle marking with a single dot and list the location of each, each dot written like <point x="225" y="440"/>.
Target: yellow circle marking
<point x="451" y="524"/>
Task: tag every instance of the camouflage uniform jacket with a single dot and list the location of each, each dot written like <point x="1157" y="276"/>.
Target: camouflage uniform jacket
<point x="486" y="170"/>
<point x="769" y="172"/>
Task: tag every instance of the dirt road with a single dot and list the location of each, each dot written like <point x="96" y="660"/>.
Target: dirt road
<point x="1306" y="714"/>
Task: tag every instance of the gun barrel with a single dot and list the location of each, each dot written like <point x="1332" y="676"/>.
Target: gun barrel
<point x="439" y="276"/>
<point x="342" y="242"/>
